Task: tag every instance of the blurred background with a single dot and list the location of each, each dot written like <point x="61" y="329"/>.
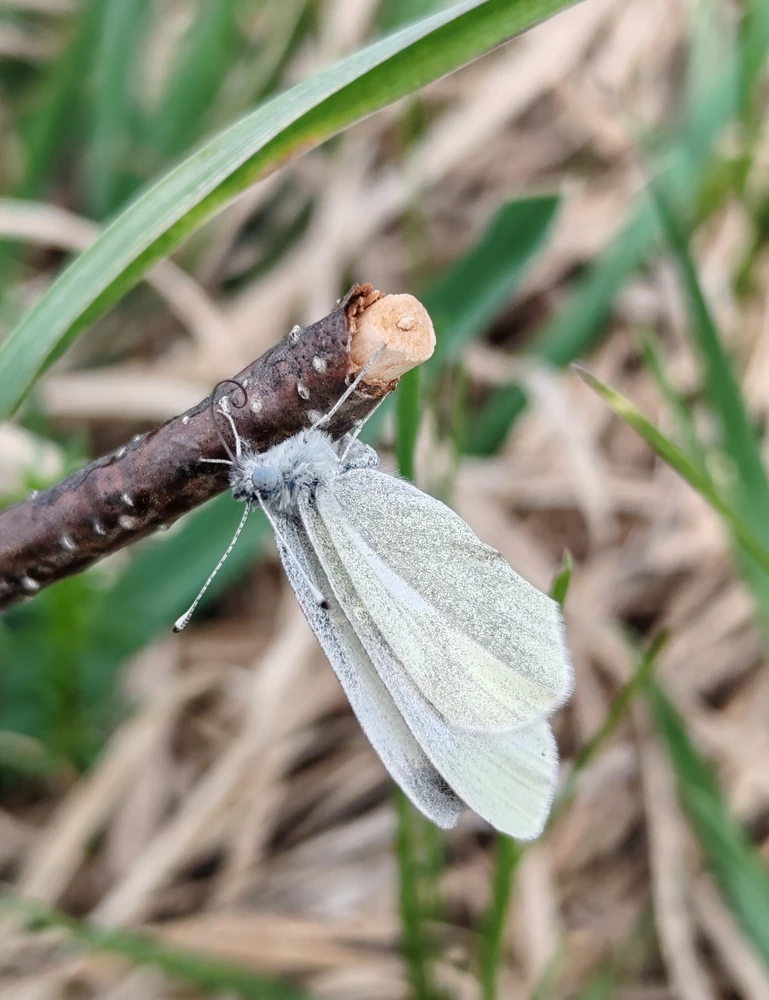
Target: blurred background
<point x="201" y="816"/>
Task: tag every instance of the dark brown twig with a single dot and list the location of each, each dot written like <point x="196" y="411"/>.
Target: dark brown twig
<point x="150" y="482"/>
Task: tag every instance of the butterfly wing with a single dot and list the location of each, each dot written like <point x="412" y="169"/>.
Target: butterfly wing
<point x="508" y="778"/>
<point x="371" y="702"/>
<point x="483" y="645"/>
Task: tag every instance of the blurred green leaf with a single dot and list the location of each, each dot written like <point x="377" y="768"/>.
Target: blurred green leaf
<point x="562" y="581"/>
<point x="120" y="38"/>
<point x="652" y="356"/>
<point x="49" y="125"/>
<point x="618" y="709"/>
<point x="303" y="117"/>
<point x="741" y="875"/>
<point x="474" y="291"/>
<point x="508" y="855"/>
<point x="394" y="13"/>
<point x="754" y="42"/>
<point x="204" y="59"/>
<point x="745" y="485"/>
<point x="164" y="578"/>
<point x="471" y="294"/>
<point x="407" y="402"/>
<point x="210" y="974"/>
<point x="737" y="438"/>
<point x="580" y="324"/>
<point x="415" y="890"/>
<point x="686" y="467"/>
<point x="61" y="652"/>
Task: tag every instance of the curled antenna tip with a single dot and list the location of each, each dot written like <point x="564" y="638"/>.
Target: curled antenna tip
<point x="212" y="410"/>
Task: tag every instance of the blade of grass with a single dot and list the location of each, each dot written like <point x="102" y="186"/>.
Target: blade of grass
<point x="509" y="852"/>
<point x="737" y="438"/>
<point x="416" y="946"/>
<point x="652" y="356"/>
<point x="746" y="484"/>
<point x="418" y="844"/>
<point x="508" y="855"/>
<point x="210" y="974"/>
<point x="407" y="402"/>
<point x="562" y="579"/>
<point x="741" y="875"/>
<point x="156" y="222"/>
<point x="164" y="577"/>
<point x="581" y="322"/>
<point x="618" y="709"/>
<point x="202" y="64"/>
<point x="472" y="293"/>
<point x="121" y="34"/>
<point x="682" y="463"/>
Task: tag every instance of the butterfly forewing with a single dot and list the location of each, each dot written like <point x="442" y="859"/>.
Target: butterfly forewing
<point x="483" y="645"/>
<point x="508" y="778"/>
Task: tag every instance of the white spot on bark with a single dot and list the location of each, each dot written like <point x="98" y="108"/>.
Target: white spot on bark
<point x="257" y="405"/>
<point x="98" y="528"/>
<point x="185" y="419"/>
<point x="319" y="364"/>
<point x="127" y="523"/>
<point x="30" y="585"/>
<point x="126" y="500"/>
<point x="303" y="391"/>
<point x="67" y="543"/>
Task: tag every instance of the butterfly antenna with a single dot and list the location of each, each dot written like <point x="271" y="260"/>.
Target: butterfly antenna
<point x="317" y="595"/>
<point x="349" y="390"/>
<point x="183" y="622"/>
<point x="212" y="407"/>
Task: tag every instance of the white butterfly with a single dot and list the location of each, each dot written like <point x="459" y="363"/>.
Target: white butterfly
<point x="451" y="661"/>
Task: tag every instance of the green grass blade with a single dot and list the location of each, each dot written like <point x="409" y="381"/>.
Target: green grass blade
<point x="204" y="60"/>
<point x="574" y="331"/>
<point x="210" y="974"/>
<point x="407" y="403"/>
<point x="737" y="438"/>
<point x="562" y="581"/>
<point x="477" y="287"/>
<point x="48" y="128"/>
<point x="470" y="295"/>
<point x="121" y="34"/>
<point x="652" y="356"/>
<point x="686" y="467"/>
<point x="742" y="877"/>
<point x="618" y="709"/>
<point x="411" y="902"/>
<point x="156" y="222"/>
<point x="164" y="577"/>
<point x="508" y="855"/>
<point x="581" y="323"/>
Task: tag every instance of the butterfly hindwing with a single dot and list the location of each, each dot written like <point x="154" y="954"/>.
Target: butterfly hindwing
<point x="371" y="702"/>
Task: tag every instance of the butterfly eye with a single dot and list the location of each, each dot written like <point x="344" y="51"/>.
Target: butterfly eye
<point x="265" y="479"/>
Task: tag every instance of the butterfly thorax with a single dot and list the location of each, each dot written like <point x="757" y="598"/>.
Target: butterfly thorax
<point x="279" y="476"/>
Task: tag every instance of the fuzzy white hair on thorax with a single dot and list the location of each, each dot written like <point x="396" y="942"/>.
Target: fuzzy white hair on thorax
<point x="279" y="475"/>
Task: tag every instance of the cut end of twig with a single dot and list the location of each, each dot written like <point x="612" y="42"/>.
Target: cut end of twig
<point x="400" y="324"/>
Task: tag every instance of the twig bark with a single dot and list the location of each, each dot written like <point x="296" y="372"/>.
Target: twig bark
<point x="155" y="478"/>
